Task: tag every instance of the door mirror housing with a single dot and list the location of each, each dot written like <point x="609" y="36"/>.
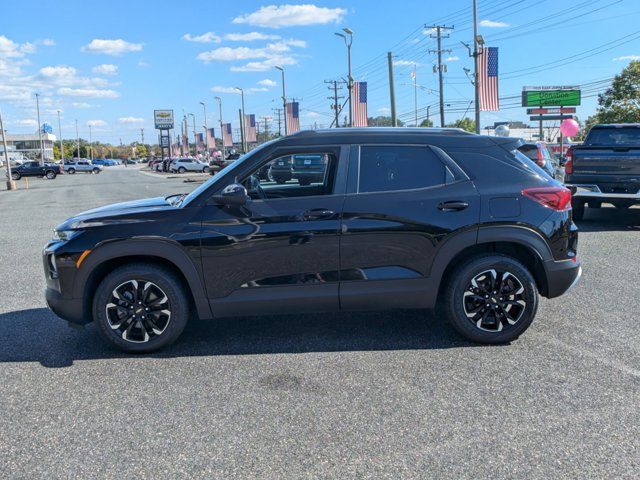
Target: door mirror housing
<point x="233" y="195"/>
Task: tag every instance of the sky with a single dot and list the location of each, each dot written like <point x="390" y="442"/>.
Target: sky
<point x="110" y="64"/>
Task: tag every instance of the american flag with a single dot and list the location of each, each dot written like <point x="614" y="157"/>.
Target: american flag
<point x="250" y="128"/>
<point x="292" y="115"/>
<point x="200" y="142"/>
<point x="359" y="104"/>
<point x="488" y="66"/>
<point x="211" y="138"/>
<point x="227" y="138"/>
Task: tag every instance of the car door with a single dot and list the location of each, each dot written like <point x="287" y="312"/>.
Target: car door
<point x="403" y="202"/>
<point x="279" y="252"/>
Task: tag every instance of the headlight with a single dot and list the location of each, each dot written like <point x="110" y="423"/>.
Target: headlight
<point x="64" y="235"/>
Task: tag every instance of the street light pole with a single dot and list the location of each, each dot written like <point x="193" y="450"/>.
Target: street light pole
<point x="40" y="129"/>
<point x="77" y="140"/>
<point x="195" y="140"/>
<point x="348" y="40"/>
<point x="206" y="130"/>
<point x="219" y="100"/>
<point x="11" y="184"/>
<point x="284" y="99"/>
<point x="60" y="133"/>
<point x="90" y="144"/>
<point x="242" y="132"/>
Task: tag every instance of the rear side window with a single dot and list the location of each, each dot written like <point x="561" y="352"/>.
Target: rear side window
<point x="389" y="168"/>
<point x="614" y="137"/>
<point x="531" y="151"/>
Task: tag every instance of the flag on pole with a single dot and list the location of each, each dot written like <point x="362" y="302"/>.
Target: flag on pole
<point x="200" y="142"/>
<point x="250" y="128"/>
<point x="227" y="137"/>
<point x="292" y="115"/>
<point x="211" y="138"/>
<point x="488" y="81"/>
<point x="359" y="104"/>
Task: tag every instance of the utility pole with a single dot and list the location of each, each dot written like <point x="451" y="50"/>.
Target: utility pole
<point x="392" y="93"/>
<point x="142" y="136"/>
<point x="40" y="129"/>
<point x="11" y="184"/>
<point x="90" y="145"/>
<point x="206" y="131"/>
<point x="60" y="133"/>
<point x="219" y="100"/>
<point x="347" y="36"/>
<point x="476" y="76"/>
<point x="242" y="132"/>
<point x="77" y="140"/>
<point x="440" y="68"/>
<point x="241" y="116"/>
<point x="284" y="99"/>
<point x="335" y="106"/>
<point x="415" y="94"/>
<point x="278" y="111"/>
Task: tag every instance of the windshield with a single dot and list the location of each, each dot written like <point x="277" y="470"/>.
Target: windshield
<point x="232" y="166"/>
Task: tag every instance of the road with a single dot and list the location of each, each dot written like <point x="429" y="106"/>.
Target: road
<point x="370" y="395"/>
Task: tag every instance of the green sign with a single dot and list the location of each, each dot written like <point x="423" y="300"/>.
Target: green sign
<point x="550" y="98"/>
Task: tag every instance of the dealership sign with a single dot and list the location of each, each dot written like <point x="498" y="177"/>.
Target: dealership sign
<point x="551" y="96"/>
<point x="163" y="119"/>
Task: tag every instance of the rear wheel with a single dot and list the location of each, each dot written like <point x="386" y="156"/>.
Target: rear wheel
<point x="491" y="299"/>
<point x="140" y="308"/>
<point x="578" y="209"/>
<point x="95" y="171"/>
<point x="71" y="171"/>
<point x="15" y="176"/>
<point x="51" y="175"/>
<point x="182" y="170"/>
<point x="205" y="170"/>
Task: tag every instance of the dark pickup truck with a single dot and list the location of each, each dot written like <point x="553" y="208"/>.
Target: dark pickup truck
<point x="34" y="169"/>
<point x="605" y="168"/>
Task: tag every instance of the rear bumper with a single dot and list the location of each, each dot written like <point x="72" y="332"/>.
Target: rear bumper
<point x="69" y="309"/>
<point x="562" y="276"/>
<point x="587" y="191"/>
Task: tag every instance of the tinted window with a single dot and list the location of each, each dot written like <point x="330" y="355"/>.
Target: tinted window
<point x="398" y="168"/>
<point x="613" y="137"/>
<point x="531" y="151"/>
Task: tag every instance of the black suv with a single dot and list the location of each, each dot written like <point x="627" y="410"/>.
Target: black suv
<point x="400" y="219"/>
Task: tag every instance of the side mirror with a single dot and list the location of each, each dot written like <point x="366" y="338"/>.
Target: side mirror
<point x="234" y="194"/>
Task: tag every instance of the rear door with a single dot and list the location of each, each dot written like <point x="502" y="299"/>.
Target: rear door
<point x="403" y="202"/>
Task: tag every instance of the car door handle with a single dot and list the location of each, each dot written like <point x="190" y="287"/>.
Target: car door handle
<point x="454" y="206"/>
<point x="318" y="214"/>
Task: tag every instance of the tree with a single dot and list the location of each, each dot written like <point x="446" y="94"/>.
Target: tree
<point x="426" y="123"/>
<point x="620" y="103"/>
<point x="464" y="123"/>
<point x="382" y="121"/>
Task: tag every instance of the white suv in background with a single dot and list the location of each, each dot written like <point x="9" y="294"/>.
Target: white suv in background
<point x="182" y="165"/>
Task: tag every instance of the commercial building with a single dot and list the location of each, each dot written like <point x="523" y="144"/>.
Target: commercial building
<point x="28" y="145"/>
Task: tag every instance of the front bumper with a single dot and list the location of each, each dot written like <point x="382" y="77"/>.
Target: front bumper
<point x="70" y="309"/>
<point x="562" y="276"/>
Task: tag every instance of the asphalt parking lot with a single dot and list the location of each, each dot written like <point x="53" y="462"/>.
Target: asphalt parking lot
<point x="376" y="395"/>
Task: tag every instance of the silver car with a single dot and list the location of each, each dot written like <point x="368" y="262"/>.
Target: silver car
<point x="82" y="165"/>
<point x="182" y="165"/>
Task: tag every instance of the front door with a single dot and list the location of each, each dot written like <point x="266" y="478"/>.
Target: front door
<point x="280" y="251"/>
<point x="402" y="203"/>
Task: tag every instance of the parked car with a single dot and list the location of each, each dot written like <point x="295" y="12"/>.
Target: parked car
<point x="281" y="171"/>
<point x="308" y="169"/>
<point x="539" y="152"/>
<point x="401" y="219"/>
<point x="129" y="161"/>
<point x="84" y="166"/>
<point x="34" y="169"/>
<point x="605" y="168"/>
<point x="182" y="165"/>
<point x="102" y="162"/>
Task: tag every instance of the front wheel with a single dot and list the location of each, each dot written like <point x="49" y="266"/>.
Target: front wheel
<point x="491" y="299"/>
<point x="205" y="170"/>
<point x="140" y="308"/>
<point x="95" y="171"/>
<point x="51" y="175"/>
<point x="181" y="170"/>
<point x="71" y="171"/>
<point x="15" y="176"/>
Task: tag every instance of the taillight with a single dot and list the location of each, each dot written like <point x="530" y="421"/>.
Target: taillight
<point x="568" y="164"/>
<point x="556" y="198"/>
<point x="540" y="161"/>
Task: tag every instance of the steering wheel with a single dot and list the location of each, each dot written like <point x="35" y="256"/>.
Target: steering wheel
<point x="254" y="186"/>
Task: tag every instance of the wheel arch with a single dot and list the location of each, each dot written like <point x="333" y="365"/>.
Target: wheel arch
<point x="104" y="259"/>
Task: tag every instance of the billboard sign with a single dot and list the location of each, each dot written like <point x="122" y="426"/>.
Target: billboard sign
<point x="163" y="119"/>
<point x="549" y="118"/>
<point x="551" y="96"/>
<point x="164" y="142"/>
<point x="550" y="111"/>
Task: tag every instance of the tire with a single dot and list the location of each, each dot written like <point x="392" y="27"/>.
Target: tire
<point x="132" y="337"/>
<point x="181" y="170"/>
<point x="95" y="171"/>
<point x="71" y="171"/>
<point x="15" y="176"/>
<point x="577" y="207"/>
<point x="205" y="170"/>
<point x="51" y="175"/>
<point x="501" y="324"/>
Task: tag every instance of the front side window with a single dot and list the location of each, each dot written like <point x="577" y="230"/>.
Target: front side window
<point x="293" y="175"/>
<point x="389" y="168"/>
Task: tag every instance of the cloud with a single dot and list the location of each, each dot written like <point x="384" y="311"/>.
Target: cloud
<point x="11" y="49"/>
<point x="267" y="83"/>
<point x="249" y="37"/>
<point x="453" y="58"/>
<point x="114" y="47"/>
<point x="131" y="119"/>
<point x="143" y="64"/>
<point x="225" y="54"/>
<point x="626" y="57"/>
<point x="404" y="63"/>
<point x="265" y="65"/>
<point x="105" y="69"/>
<point x="81" y="105"/>
<point x="47" y="42"/>
<point x="26" y="122"/>
<point x="492" y="24"/>
<point x="87" y="92"/>
<point x="58" y="72"/>
<point x="208" y="37"/>
<point x="311" y="114"/>
<point x="220" y="89"/>
<point x="279" y="16"/>
<point x="274" y="54"/>
<point x="16" y="93"/>
<point x="96" y="123"/>
<point x="384" y="110"/>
